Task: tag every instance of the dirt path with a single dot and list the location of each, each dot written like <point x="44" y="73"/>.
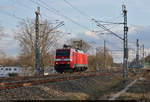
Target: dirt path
<point x="139" y="91"/>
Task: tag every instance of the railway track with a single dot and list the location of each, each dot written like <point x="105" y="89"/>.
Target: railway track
<point x="10" y="79"/>
<point x="19" y="82"/>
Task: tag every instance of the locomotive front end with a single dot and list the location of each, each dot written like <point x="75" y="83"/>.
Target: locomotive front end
<point x="63" y="60"/>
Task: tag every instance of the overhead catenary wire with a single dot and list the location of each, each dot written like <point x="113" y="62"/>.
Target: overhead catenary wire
<point x="86" y="15"/>
<point x="110" y="22"/>
<point x="27" y="7"/>
<point x="98" y="22"/>
<point x="103" y="27"/>
<point x="30" y="8"/>
<point x="104" y="32"/>
<point x="56" y="12"/>
<point x="19" y="18"/>
<point x="78" y="10"/>
<point x="131" y="47"/>
<point x="24" y="5"/>
<point x="53" y="10"/>
<point x="12" y="15"/>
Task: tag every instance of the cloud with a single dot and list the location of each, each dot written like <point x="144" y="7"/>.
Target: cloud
<point x="91" y="34"/>
<point x="134" y="29"/>
<point x="142" y="33"/>
<point x="9" y="45"/>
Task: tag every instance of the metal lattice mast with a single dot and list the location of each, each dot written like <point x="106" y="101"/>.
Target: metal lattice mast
<point x="125" y="39"/>
<point x="137" y="52"/>
<point x="125" y="59"/>
<point x="37" y="52"/>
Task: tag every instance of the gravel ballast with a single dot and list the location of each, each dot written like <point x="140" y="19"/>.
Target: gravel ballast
<point x="91" y="88"/>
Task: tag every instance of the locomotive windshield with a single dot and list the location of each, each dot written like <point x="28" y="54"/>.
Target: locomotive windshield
<point x="63" y="53"/>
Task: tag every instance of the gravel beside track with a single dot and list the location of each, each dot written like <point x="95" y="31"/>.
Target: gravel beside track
<point x="92" y="88"/>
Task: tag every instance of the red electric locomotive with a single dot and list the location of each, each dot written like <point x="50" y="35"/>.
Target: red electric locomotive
<point x="70" y="60"/>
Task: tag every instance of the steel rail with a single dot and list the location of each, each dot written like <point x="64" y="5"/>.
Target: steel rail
<point x="8" y="79"/>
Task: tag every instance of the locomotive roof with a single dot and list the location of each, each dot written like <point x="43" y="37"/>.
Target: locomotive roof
<point x="76" y="50"/>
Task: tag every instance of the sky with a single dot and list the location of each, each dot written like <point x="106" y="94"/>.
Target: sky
<point x="12" y="11"/>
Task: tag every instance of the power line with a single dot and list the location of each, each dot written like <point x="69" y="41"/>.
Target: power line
<point x="84" y="14"/>
<point x="27" y="7"/>
<point x="110" y="22"/>
<point x="12" y="15"/>
<point x="81" y="12"/>
<point x="98" y="24"/>
<point x="108" y="30"/>
<point x="53" y="10"/>
<point x="66" y="17"/>
<point x="24" y="5"/>
<point x="58" y="13"/>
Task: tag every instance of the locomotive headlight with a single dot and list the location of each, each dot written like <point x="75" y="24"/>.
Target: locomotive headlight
<point x="56" y="62"/>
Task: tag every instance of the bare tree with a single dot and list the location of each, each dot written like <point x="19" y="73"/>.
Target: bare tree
<point x="2" y="54"/>
<point x="93" y="60"/>
<point x="25" y="35"/>
<point x="2" y="57"/>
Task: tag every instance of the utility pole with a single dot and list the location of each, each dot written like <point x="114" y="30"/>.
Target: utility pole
<point x="37" y="52"/>
<point x="137" y="52"/>
<point x="125" y="41"/>
<point x="81" y="45"/>
<point x="104" y="54"/>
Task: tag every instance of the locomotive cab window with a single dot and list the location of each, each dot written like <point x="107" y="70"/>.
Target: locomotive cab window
<point x="63" y="53"/>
